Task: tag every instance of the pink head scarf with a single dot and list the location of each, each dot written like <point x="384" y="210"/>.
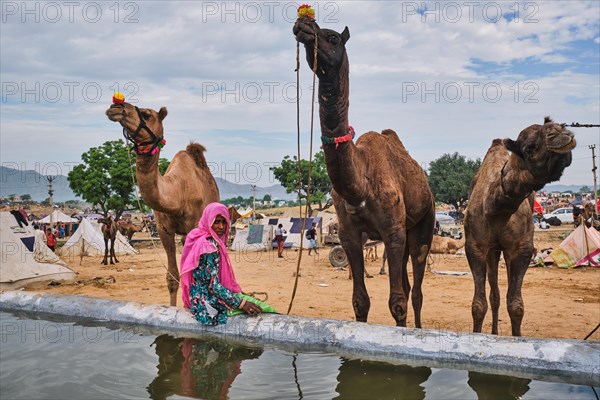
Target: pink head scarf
<point x="197" y="243"/>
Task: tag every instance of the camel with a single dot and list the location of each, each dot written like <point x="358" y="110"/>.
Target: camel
<point x="177" y="198"/>
<point x="109" y="231"/>
<point x="586" y="214"/>
<point x="499" y="216"/>
<point x="129" y="230"/>
<point x="378" y="188"/>
<point x="446" y="245"/>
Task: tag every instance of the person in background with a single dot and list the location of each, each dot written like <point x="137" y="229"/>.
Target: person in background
<point x="208" y="285"/>
<point x="311" y="235"/>
<point x="50" y="238"/>
<point x="279" y="232"/>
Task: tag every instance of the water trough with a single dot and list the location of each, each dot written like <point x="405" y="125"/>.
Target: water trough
<point x="571" y="361"/>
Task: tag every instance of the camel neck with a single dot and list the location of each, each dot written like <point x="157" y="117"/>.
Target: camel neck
<point x="515" y="186"/>
<point x="345" y="164"/>
<point x="334" y="103"/>
<point x="149" y="180"/>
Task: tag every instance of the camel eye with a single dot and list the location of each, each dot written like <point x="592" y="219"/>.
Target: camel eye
<point x="529" y="150"/>
<point x="333" y="39"/>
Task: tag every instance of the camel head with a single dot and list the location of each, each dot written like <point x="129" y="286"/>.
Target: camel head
<point x="544" y="150"/>
<point x="142" y="126"/>
<point x="331" y="47"/>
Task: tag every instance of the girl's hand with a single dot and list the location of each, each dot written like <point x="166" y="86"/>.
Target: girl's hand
<point x="250" y="308"/>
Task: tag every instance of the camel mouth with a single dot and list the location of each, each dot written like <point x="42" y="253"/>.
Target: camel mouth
<point x="564" y="145"/>
<point x="304" y="30"/>
<point x="115" y="113"/>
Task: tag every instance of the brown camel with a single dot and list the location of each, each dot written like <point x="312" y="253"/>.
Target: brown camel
<point x="128" y="230"/>
<point x="378" y="189"/>
<point x="109" y="231"/>
<point x="446" y="245"/>
<point x="499" y="215"/>
<point x="177" y="198"/>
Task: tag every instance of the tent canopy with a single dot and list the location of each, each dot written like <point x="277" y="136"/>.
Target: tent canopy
<point x="58" y="216"/>
<point x="25" y="260"/>
<point x="88" y="240"/>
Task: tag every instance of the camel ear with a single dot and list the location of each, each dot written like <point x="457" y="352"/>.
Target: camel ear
<point x="162" y="113"/>
<point x="345" y="35"/>
<point x="513" y="146"/>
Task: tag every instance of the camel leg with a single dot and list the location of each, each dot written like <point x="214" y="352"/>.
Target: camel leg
<point x="492" y="272"/>
<point x="395" y="246"/>
<point x="360" y="298"/>
<point x="384" y="259"/>
<point x="479" y="305"/>
<point x="112" y="252"/>
<point x="514" y="301"/>
<point x="419" y="243"/>
<point x="105" y="262"/>
<point x="168" y="241"/>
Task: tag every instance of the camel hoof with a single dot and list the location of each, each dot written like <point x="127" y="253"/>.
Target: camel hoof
<point x="369" y="276"/>
<point x="382" y="273"/>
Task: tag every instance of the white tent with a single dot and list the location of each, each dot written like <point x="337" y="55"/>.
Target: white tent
<point x="252" y="238"/>
<point x="293" y="226"/>
<point x="579" y="248"/>
<point x="58" y="216"/>
<point x="89" y="241"/>
<point x="23" y="261"/>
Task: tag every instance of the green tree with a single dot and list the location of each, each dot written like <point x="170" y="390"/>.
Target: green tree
<point x="266" y="197"/>
<point x="104" y="177"/>
<point x="585" y="189"/>
<point x="320" y="185"/>
<point x="450" y="177"/>
<point x="26" y="198"/>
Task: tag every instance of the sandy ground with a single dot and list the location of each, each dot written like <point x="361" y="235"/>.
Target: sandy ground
<point x="559" y="303"/>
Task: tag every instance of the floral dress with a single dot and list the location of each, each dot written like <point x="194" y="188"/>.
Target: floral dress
<point x="210" y="300"/>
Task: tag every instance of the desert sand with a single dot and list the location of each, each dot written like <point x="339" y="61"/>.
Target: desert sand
<point x="559" y="303"/>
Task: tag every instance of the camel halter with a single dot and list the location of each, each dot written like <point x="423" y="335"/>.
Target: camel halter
<point x="149" y="147"/>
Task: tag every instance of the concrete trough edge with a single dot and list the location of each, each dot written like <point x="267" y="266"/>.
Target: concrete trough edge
<point x="572" y="361"/>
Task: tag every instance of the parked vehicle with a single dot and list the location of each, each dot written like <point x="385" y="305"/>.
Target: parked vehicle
<point x="564" y="214"/>
<point x="443" y="217"/>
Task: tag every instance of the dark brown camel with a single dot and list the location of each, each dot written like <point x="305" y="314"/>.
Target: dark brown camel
<point x="177" y="198"/>
<point x="109" y="231"/>
<point x="498" y="218"/>
<point x="378" y="188"/>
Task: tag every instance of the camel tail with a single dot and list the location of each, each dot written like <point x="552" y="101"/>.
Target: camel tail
<point x="196" y="151"/>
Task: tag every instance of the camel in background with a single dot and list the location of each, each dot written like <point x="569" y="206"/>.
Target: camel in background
<point x="109" y="232"/>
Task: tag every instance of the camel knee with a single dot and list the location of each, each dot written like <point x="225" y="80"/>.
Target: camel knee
<point x="516" y="310"/>
<point x="172" y="284"/>
<point x="479" y="309"/>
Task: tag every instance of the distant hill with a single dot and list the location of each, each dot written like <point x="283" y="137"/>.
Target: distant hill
<point x="557" y="187"/>
<point x="13" y="181"/>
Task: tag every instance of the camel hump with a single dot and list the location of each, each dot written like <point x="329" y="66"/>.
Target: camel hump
<point x="389" y="132"/>
<point x="497" y="142"/>
<point x="196" y="151"/>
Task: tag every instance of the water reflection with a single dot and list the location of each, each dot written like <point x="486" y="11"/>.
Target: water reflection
<point x="196" y="368"/>
<point x="500" y="387"/>
<point x="378" y="380"/>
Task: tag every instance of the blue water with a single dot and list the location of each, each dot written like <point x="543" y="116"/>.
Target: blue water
<point x="50" y="360"/>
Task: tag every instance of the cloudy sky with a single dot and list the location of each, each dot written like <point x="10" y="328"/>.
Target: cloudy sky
<point x="447" y="76"/>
